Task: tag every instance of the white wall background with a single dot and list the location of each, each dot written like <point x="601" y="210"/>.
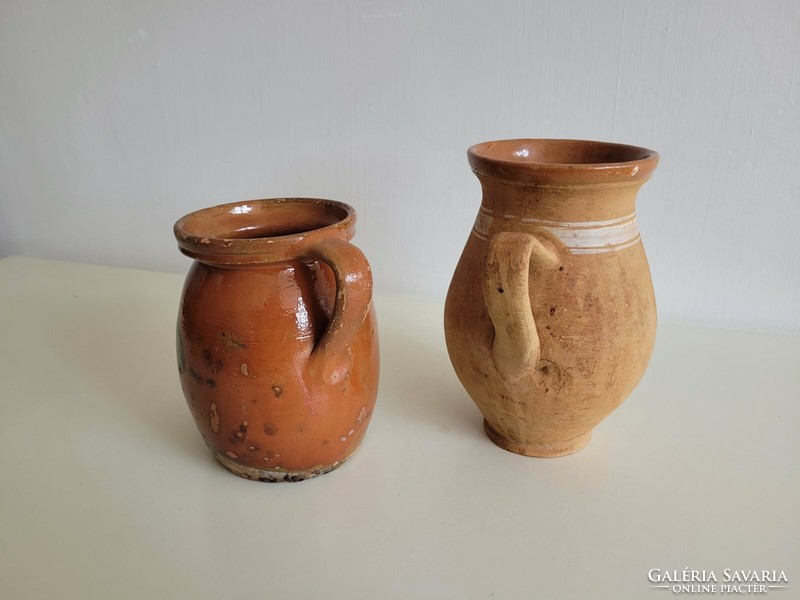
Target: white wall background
<point x="118" y="117"/>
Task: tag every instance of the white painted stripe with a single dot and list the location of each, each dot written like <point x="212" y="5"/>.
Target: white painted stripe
<point x="580" y="237"/>
<point x="480" y="236"/>
<point x="482" y="223"/>
<point x="572" y="224"/>
<point x="552" y="223"/>
<point x="598" y="250"/>
<point x="611" y="235"/>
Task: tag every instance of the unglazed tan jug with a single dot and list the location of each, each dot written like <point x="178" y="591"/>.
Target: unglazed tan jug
<point x="277" y="347"/>
<point x="550" y="318"/>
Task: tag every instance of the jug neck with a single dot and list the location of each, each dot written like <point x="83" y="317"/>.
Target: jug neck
<point x="558" y="203"/>
<point x="560" y="180"/>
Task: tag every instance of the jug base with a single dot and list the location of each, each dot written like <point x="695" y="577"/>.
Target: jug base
<point x="274" y="475"/>
<point x="535" y="450"/>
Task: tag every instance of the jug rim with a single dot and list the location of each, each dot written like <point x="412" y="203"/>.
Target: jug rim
<point x="554" y="161"/>
<point x="262" y="230"/>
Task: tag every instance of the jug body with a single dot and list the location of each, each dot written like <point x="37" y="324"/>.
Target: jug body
<point x="550" y="318"/>
<point x="277" y="342"/>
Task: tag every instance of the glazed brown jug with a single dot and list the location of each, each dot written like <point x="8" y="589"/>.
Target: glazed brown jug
<point x="277" y="341"/>
<point x="550" y="318"/>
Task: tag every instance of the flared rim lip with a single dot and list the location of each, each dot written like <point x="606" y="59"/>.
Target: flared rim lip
<point x="529" y="171"/>
<point x="196" y="245"/>
<point x="182" y="234"/>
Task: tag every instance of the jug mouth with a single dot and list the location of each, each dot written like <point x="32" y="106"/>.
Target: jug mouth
<point x="562" y="162"/>
<point x="263" y="230"/>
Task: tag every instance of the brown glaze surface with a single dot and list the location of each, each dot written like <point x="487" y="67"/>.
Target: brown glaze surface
<point x="550" y="317"/>
<point x="277" y="342"/>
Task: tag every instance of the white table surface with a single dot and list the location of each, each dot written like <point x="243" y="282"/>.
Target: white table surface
<point x="107" y="490"/>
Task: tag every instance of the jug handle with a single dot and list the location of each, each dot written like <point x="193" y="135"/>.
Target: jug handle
<point x="516" y="349"/>
<point x="332" y="356"/>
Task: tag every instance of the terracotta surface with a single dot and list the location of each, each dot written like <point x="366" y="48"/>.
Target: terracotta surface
<point x="277" y="340"/>
<point x="550" y="318"/>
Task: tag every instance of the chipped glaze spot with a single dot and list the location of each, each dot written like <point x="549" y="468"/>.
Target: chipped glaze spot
<point x="214" y="420"/>
<point x="244" y="369"/>
<point x="351" y="432"/>
<point x="232" y="454"/>
<point x="343" y="439"/>
<point x="231" y="342"/>
<point x="362" y="414"/>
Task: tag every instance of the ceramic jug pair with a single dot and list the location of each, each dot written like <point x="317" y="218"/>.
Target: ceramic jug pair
<point x="549" y="320"/>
